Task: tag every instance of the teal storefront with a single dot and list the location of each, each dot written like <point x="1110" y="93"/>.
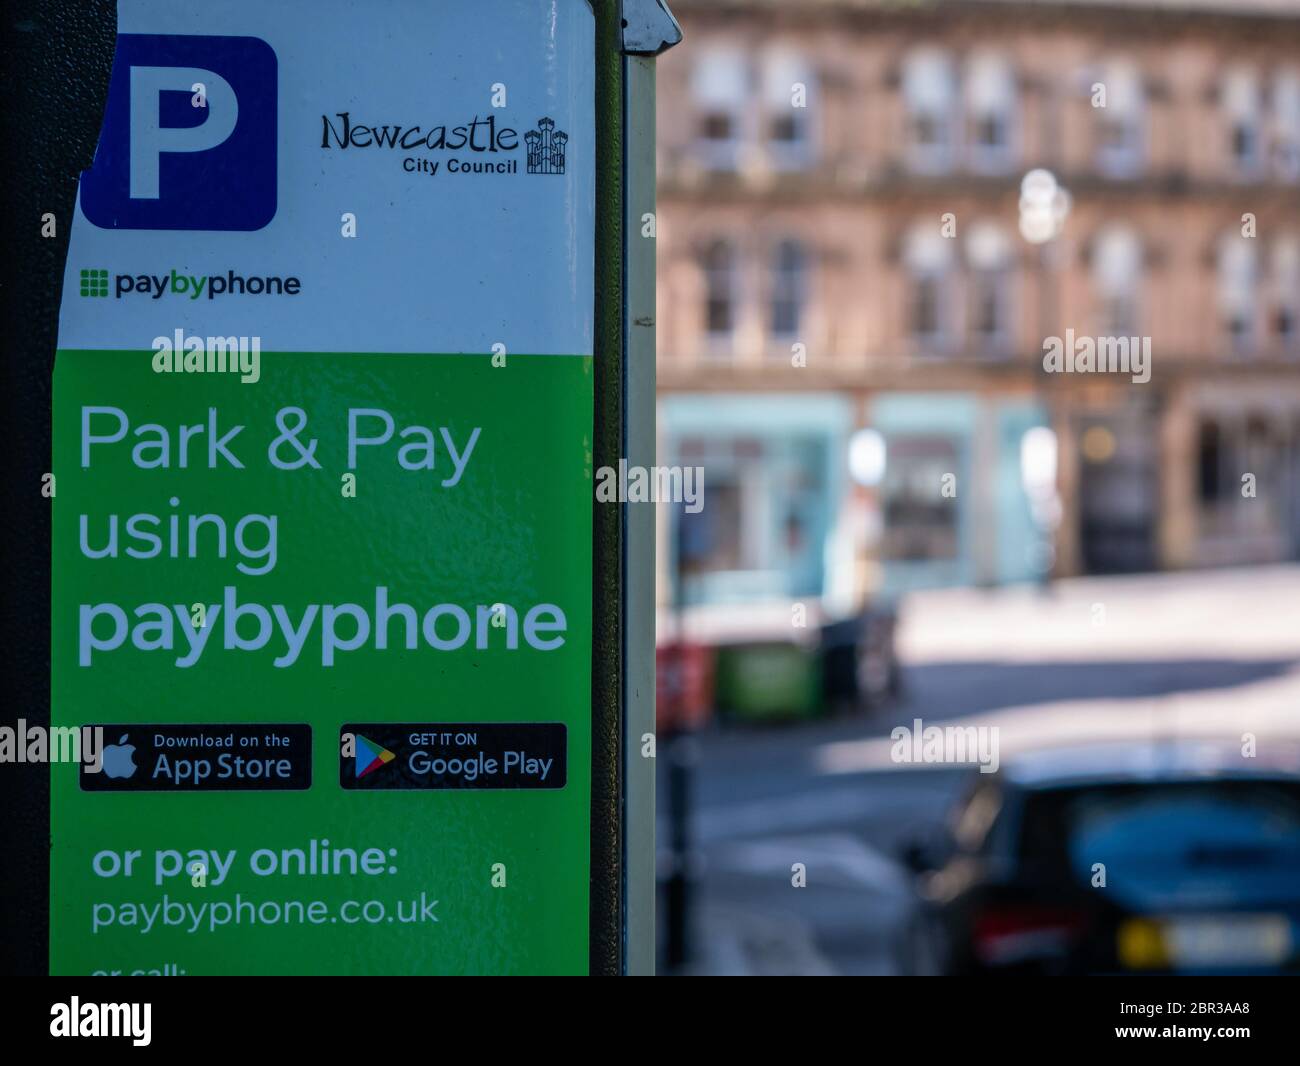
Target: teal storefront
<point x="774" y="481"/>
<point x="953" y="507"/>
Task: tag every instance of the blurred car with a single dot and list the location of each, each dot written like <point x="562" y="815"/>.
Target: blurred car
<point x="1163" y="857"/>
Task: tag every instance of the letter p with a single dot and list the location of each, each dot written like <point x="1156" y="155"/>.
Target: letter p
<point x="355" y="414"/>
<point x="88" y="438"/>
<point x="88" y="642"/>
<point x="149" y="139"/>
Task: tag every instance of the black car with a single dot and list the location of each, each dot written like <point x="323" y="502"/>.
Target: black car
<point x="1163" y="857"/>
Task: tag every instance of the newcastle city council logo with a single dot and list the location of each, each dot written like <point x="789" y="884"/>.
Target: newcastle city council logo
<point x="546" y="146"/>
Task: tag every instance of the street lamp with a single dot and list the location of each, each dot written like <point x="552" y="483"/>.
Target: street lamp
<point x="1038" y="479"/>
<point x="1044" y="206"/>
<point x="867" y="453"/>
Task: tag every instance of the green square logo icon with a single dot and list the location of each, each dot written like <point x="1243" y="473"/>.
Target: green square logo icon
<point x="94" y="283"/>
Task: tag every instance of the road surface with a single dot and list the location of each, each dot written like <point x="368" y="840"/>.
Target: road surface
<point x="1193" y="654"/>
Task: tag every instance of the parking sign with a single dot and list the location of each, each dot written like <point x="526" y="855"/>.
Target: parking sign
<point x="323" y="423"/>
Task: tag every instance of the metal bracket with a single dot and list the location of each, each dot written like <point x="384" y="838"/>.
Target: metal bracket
<point x="648" y="28"/>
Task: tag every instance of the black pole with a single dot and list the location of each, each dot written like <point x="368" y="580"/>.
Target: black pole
<point x="682" y="752"/>
<point x="55" y="60"/>
<point x="681" y="761"/>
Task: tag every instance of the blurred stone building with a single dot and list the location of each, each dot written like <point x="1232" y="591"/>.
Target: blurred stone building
<point x="840" y="249"/>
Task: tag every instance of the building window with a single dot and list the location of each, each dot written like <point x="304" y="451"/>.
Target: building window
<point x="1237" y="277"/>
<point x="1241" y="108"/>
<point x="1117" y="275"/>
<point x="762" y="530"/>
<point x="988" y="254"/>
<point x="1210" y="464"/>
<point x="925" y="308"/>
<point x="1121" y="124"/>
<point x="720" y="291"/>
<point x="1286" y="124"/>
<point x="789" y="90"/>
<point x="928" y="259"/>
<point x="719" y="88"/>
<point x="1231" y="444"/>
<point x="920" y="524"/>
<point x="1286" y="291"/>
<point x="991" y="113"/>
<point x="929" y="96"/>
<point x="789" y="288"/>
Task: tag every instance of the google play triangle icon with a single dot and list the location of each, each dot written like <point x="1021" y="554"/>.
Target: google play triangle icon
<point x="370" y="756"/>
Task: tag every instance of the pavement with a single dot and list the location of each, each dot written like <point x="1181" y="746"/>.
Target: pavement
<point x="1214" y="654"/>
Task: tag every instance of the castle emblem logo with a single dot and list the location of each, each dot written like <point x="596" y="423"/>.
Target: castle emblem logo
<point x="546" y="147"/>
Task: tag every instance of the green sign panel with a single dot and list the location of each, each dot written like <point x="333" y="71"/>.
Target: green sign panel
<point x="322" y="534"/>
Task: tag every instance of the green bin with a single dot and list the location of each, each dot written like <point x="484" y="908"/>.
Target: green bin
<point x="768" y="681"/>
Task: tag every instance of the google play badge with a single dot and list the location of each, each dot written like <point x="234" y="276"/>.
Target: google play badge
<point x="370" y="756"/>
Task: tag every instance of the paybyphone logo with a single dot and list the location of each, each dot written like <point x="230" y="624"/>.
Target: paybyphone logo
<point x="189" y="136"/>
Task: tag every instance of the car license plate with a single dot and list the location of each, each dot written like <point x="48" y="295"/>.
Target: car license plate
<point x="1227" y="940"/>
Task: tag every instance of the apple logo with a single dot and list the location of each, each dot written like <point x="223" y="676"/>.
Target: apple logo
<point x="117" y="759"/>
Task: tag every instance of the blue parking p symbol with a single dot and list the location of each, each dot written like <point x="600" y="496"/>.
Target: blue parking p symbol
<point x="164" y="163"/>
